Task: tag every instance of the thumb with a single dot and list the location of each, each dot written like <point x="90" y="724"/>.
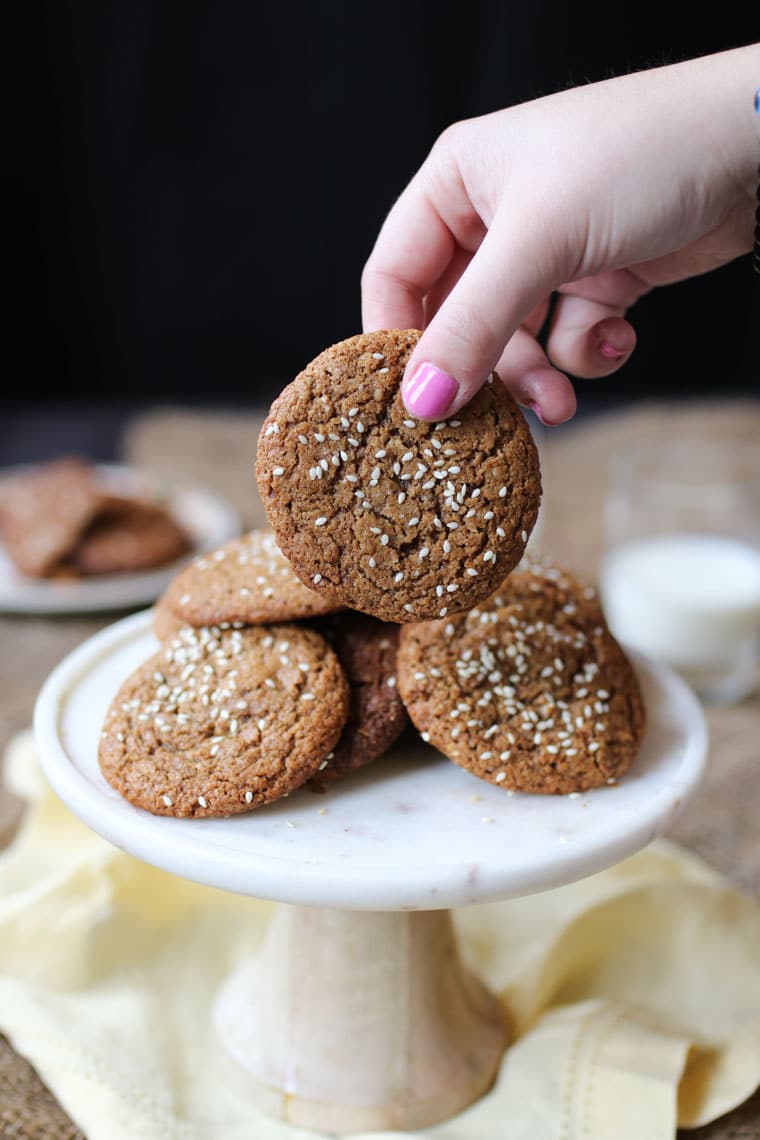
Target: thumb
<point x="466" y="338"/>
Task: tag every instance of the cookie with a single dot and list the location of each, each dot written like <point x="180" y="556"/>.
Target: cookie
<point x="367" y="651"/>
<point x="248" y="580"/>
<point x="166" y="625"/>
<point x="44" y="513"/>
<point x="530" y="691"/>
<point x="129" y="536"/>
<point x="220" y="722"/>
<point x="401" y="519"/>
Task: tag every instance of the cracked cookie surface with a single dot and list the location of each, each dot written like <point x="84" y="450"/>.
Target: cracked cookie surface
<point x="219" y="722"/>
<point x="529" y="691"/>
<point x="401" y="519"/>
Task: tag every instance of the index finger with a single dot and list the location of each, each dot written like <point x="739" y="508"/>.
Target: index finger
<point x="412" y="251"/>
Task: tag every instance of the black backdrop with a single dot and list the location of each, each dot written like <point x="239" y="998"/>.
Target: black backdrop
<point x="199" y="184"/>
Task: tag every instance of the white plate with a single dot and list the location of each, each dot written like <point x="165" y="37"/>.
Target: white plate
<point x="412" y="831"/>
<point x="209" y="519"/>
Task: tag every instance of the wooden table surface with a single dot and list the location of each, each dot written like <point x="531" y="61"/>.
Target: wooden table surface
<point x="217" y="449"/>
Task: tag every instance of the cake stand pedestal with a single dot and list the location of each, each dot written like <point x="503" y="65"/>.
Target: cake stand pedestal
<point x="358" y="1012"/>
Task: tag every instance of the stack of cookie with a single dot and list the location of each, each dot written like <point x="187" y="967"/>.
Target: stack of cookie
<point x="58" y="520"/>
<point x="260" y="686"/>
<point x="392" y="561"/>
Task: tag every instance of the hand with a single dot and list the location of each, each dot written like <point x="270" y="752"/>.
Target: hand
<point x="599" y="194"/>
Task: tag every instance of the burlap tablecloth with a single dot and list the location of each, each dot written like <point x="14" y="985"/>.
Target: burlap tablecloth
<point x="217" y="449"/>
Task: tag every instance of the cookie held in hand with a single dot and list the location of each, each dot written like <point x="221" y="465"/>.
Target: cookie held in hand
<point x="399" y="518"/>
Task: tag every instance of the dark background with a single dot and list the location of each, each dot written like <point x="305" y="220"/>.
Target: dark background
<point x="198" y="186"/>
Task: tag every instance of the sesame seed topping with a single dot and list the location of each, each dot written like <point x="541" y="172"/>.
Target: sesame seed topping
<point x="168" y="801"/>
<point x="202" y="801"/>
<point x="248" y="797"/>
<point x="316" y="579"/>
<point x="320" y="521"/>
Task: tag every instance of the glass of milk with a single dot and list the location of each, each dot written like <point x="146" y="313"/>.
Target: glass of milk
<point x="680" y="577"/>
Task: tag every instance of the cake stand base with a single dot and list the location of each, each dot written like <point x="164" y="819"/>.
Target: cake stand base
<point x="350" y="1021"/>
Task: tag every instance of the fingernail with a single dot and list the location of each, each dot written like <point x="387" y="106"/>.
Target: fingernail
<point x="537" y="409"/>
<point x="428" y="392"/>
<point x="609" y="352"/>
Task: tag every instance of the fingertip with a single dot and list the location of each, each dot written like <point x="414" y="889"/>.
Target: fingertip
<point x="613" y="340"/>
<point x="428" y="392"/>
<point x="548" y="393"/>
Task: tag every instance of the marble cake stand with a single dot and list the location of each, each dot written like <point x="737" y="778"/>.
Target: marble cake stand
<point x="359" y="1013"/>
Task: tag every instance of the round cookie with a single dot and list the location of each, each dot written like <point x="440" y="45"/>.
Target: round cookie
<point x="220" y="722"/>
<point x="367" y="650"/>
<point x="530" y="691"/>
<point x="402" y="519"/>
<point x="247" y="580"/>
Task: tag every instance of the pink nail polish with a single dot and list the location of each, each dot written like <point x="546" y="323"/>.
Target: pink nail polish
<point x="609" y="352"/>
<point x="537" y="409"/>
<point x="428" y="392"/>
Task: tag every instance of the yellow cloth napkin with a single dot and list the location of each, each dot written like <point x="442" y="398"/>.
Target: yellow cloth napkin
<point x="635" y="993"/>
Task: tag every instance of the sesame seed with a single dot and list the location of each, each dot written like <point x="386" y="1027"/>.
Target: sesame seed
<point x="320" y="521"/>
<point x="524" y="535"/>
<point x="302" y="439"/>
<point x="391" y="682"/>
<point x="410" y="423"/>
<point x="471" y="571"/>
<point x="384" y="540"/>
<point x="413" y="522"/>
<point x="316" y="579"/>
<point x="381" y="370"/>
<point x="500" y="776"/>
<point x="409" y="607"/>
<point x="423" y="553"/>
<point x="278" y="470"/>
<point x="502" y="492"/>
<point x="399" y="576"/>
<point x="248" y="797"/>
<point x="377" y="356"/>
<point x="202" y="801"/>
<point x="455" y="423"/>
<point x="442" y="612"/>
<point x="167" y="800"/>
<point x="381" y="454"/>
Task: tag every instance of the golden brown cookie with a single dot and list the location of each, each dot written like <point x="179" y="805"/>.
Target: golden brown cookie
<point x="367" y="650"/>
<point x="402" y="519"/>
<point x="248" y="580"/>
<point x="128" y="536"/>
<point x="219" y="722"/>
<point x="45" y="511"/>
<point x="529" y="691"/>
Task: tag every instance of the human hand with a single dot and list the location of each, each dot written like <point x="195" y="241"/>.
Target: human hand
<point x="599" y="194"/>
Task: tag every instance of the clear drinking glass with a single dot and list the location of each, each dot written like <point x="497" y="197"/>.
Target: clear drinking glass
<point x="680" y="576"/>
